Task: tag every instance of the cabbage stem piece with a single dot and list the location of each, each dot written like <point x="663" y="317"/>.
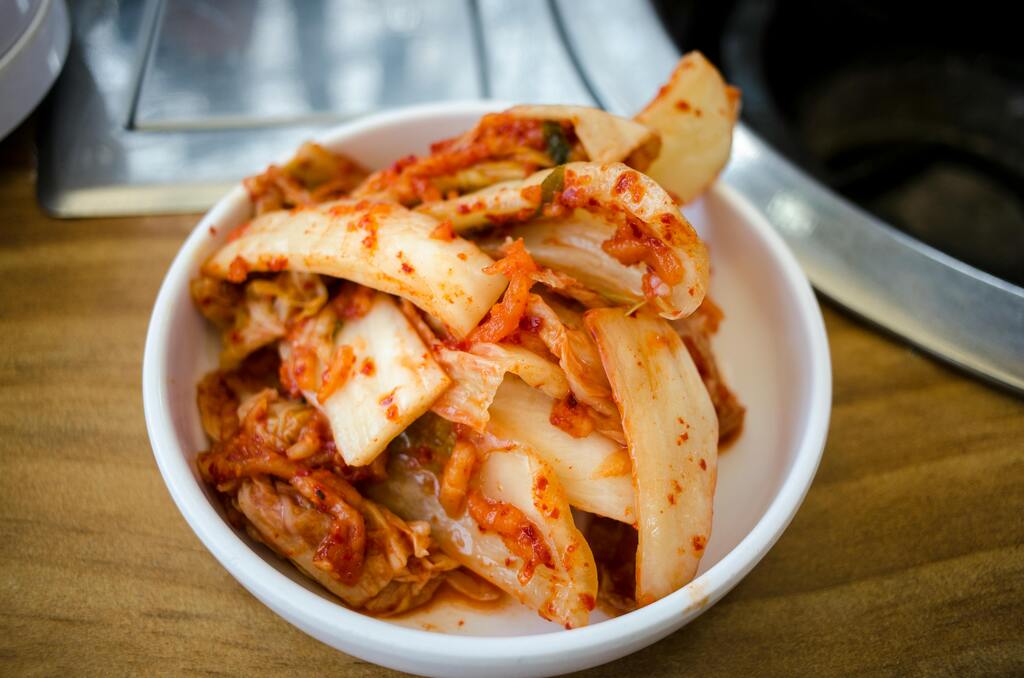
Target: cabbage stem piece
<point x="672" y="433"/>
<point x="382" y="246"/>
<point x="535" y="370"/>
<point x="477" y="375"/>
<point x="391" y="380"/>
<point x="500" y="202"/>
<point x="607" y="225"/>
<point x="475" y="380"/>
<point x="594" y="471"/>
<point x="562" y="331"/>
<point x="573" y="246"/>
<point x="563" y="590"/>
<point x="694" y="113"/>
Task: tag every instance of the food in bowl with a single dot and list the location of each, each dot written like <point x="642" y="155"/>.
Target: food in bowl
<point x="487" y="368"/>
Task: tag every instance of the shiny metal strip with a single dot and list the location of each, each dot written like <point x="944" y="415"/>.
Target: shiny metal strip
<point x="151" y="21"/>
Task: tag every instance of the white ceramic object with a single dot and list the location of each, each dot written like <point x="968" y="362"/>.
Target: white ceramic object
<point x="34" y="38"/>
<point x="773" y="350"/>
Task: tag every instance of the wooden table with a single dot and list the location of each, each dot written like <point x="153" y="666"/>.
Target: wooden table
<point x="906" y="557"/>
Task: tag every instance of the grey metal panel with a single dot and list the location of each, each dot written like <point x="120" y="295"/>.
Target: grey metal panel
<point x="527" y="61"/>
<point x="94" y="162"/>
<point x="944" y="306"/>
<point x="240" y="63"/>
<point x="133" y="131"/>
<point x="621" y="48"/>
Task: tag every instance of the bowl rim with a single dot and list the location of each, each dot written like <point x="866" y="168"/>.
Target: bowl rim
<point x="325" y="619"/>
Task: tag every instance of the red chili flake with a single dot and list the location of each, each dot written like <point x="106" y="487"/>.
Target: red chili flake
<point x="238" y="270"/>
<point x="277" y="264"/>
<point x="571" y="416"/>
<point x="573" y="197"/>
<point x="683" y="105"/>
<point x="531" y="323"/>
<point x="699" y="542"/>
<point x="629" y="181"/>
<point x="703" y="465"/>
<point x="406" y="268"/>
<point x="238" y="232"/>
<point x="532" y="194"/>
<point x="368" y="223"/>
<point x="402" y="163"/>
<point x="337" y="372"/>
<point x="345" y="209"/>
<point x="387" y="402"/>
<point x="444" y="231"/>
<point x="511" y="218"/>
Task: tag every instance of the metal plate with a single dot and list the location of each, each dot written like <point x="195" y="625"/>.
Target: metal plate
<point x="236" y="64"/>
<point x="165" y="105"/>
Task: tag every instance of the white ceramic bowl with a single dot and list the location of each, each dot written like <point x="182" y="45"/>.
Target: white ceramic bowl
<point x="772" y="347"/>
<point x="34" y="38"/>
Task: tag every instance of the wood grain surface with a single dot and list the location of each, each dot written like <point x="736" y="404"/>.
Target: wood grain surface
<point x="907" y="556"/>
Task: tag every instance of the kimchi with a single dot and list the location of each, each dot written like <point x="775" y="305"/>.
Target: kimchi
<point x="489" y="368"/>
